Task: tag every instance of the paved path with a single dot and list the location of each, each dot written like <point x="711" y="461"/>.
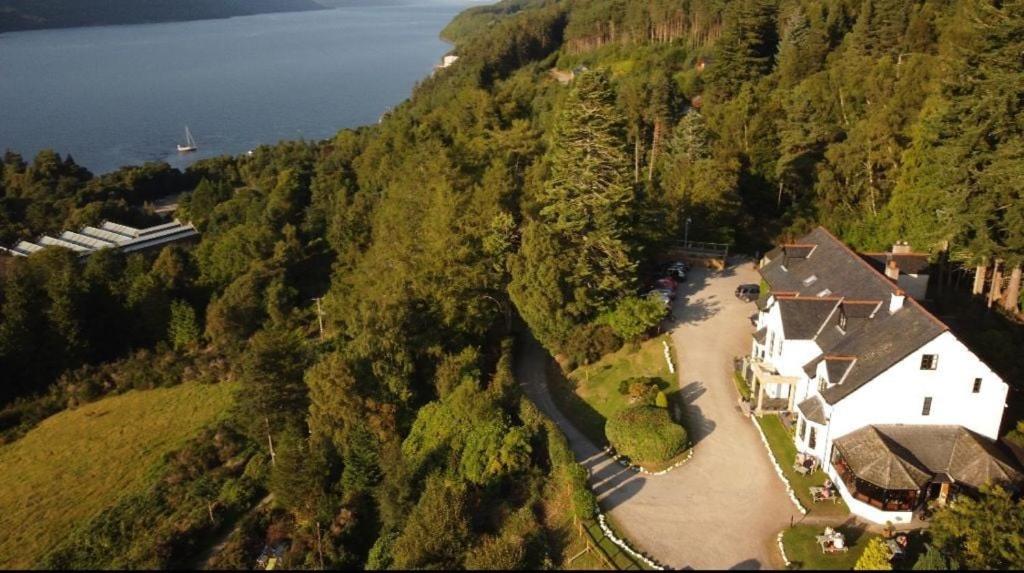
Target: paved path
<point x="722" y="509"/>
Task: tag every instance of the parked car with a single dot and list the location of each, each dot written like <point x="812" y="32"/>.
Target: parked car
<point x="667" y="282"/>
<point x="677" y="269"/>
<point x="748" y="293"/>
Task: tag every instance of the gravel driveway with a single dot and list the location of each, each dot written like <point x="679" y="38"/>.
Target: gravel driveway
<point x="723" y="508"/>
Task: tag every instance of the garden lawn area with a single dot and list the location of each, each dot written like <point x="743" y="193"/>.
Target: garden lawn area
<point x="803" y="551"/>
<point x="590" y="394"/>
<point x="77" y="463"/>
<point x="784" y="449"/>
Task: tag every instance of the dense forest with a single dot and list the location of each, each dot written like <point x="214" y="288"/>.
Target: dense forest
<point x="498" y="196"/>
<point x="36" y="14"/>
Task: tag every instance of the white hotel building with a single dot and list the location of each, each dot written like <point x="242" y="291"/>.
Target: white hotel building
<point x="897" y="409"/>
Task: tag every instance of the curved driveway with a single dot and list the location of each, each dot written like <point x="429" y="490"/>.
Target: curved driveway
<point x="723" y="508"/>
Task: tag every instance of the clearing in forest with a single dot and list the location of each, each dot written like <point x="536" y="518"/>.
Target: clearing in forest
<point x="79" y="462"/>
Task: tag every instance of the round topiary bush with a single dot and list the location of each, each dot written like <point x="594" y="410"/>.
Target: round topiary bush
<point x="646" y="434"/>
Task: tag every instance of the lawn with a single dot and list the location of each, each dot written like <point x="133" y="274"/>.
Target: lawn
<point x="590" y="394"/>
<point x="782" y="446"/>
<point x="803" y="551"/>
<point x="79" y="462"/>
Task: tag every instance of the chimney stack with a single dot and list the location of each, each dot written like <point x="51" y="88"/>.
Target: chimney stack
<point x="896" y="302"/>
<point x="902" y="248"/>
<point x="892" y="269"/>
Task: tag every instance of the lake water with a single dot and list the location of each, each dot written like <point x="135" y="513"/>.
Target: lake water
<point x="122" y="95"/>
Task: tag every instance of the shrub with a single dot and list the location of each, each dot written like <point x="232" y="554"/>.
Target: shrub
<point x="875" y="557"/>
<point x="646" y="434"/>
<point x="661" y="400"/>
<point x="641" y="390"/>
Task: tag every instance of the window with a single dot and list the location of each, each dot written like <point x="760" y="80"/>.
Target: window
<point x="810" y="280"/>
<point x="812" y="440"/>
<point x="929" y="361"/>
<point x="803" y="429"/>
<point x="825" y="292"/>
<point x="977" y="386"/>
<point x="821" y="384"/>
<point x="842" y="319"/>
<point x="927" y="408"/>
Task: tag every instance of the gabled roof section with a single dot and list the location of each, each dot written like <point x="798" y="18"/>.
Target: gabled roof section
<point x="802" y="317"/>
<point x="813" y="410"/>
<point x="861" y="326"/>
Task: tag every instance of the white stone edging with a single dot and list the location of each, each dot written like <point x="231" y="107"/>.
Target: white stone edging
<point x="778" y="468"/>
<point x="621" y="460"/>
<point x="601" y="521"/>
<point x="782" y="548"/>
<point x="668" y="357"/>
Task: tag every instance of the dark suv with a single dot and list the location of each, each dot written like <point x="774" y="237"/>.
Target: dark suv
<point x="748" y="293"/>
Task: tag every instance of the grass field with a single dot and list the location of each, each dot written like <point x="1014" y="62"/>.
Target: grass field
<point x="782" y="446"/>
<point x="803" y="551"/>
<point x="590" y="394"/>
<point x="79" y="462"/>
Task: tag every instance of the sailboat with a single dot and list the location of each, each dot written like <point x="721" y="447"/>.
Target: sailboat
<point x="190" y="143"/>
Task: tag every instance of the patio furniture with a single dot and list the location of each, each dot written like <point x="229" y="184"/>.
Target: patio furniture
<point x="824" y="493"/>
<point x="832" y="542"/>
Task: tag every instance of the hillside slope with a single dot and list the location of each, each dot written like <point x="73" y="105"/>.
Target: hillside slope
<point x="80" y="462"/>
<point x="37" y="14"/>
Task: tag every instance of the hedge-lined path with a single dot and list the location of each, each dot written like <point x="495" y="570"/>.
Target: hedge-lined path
<point x="724" y="508"/>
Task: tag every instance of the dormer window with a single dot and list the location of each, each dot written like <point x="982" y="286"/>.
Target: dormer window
<point x="842" y="320"/>
<point x="810" y="280"/>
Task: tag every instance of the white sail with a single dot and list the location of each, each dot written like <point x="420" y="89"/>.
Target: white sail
<point x="190" y="143"/>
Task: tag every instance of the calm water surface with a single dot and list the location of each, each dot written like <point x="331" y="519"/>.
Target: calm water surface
<point x="123" y="95"/>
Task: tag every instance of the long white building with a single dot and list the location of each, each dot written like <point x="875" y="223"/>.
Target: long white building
<point x="895" y="407"/>
<point x="109" y="236"/>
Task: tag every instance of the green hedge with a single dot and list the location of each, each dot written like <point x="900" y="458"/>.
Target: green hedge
<point x="646" y="434"/>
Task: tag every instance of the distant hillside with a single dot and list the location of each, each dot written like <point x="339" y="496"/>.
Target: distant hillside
<point x="36" y="14"/>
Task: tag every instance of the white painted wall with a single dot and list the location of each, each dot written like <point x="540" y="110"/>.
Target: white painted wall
<point x="897" y="395"/>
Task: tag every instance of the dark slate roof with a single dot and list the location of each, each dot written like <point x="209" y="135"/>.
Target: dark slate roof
<point x="836" y="267"/>
<point x="890" y="453"/>
<point x="880" y="343"/>
<point x="909" y="263"/>
<point x="875" y="337"/>
<point x="802" y="318"/>
<point x="812" y="409"/>
<point x="869" y="454"/>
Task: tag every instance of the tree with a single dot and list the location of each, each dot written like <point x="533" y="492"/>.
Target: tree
<point x="183" y="331"/>
<point x="933" y="560"/>
<point x="875" y="557"/>
<point x="982" y="533"/>
<point x="745" y="50"/>
<point x="634" y="316"/>
<point x="273" y="394"/>
<point x="437" y="533"/>
<point x="586" y="206"/>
